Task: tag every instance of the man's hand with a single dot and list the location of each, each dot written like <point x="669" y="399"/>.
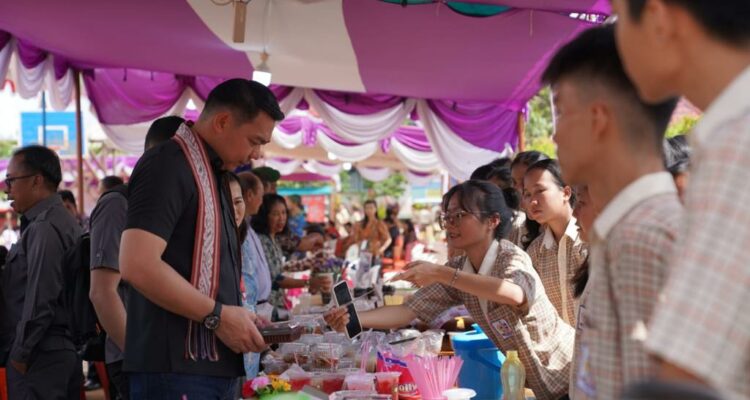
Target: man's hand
<point x="311" y="242"/>
<point x="321" y="283"/>
<point x="238" y="330"/>
<point x="20" y="367"/>
<point x="337" y="319"/>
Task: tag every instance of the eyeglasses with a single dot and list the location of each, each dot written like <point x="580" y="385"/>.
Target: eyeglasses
<point x="9" y="181"/>
<point x="454" y="218"/>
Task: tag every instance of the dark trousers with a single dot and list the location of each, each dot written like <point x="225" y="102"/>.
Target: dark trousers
<point x="119" y="385"/>
<point x="148" y="386"/>
<point x="51" y="375"/>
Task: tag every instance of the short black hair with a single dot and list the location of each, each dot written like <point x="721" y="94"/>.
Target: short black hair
<point x="41" y="160"/>
<point x="593" y="57"/>
<point x="727" y="20"/>
<point x="483" y="171"/>
<point x="111" y="182"/>
<point x="245" y="98"/>
<point x="162" y="130"/>
<point x="67" y="196"/>
<point x="485" y="199"/>
<point x="527" y="158"/>
<point x="260" y="221"/>
<point x="504" y="178"/>
<point x="677" y="154"/>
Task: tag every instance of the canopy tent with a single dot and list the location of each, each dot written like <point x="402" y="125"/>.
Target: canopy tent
<point x="371" y="65"/>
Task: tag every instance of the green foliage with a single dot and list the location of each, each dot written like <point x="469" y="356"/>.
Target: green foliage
<point x="682" y="126"/>
<point x="539" y="126"/>
<point x="393" y="186"/>
<point x="299" y="185"/>
<point x="7" y="147"/>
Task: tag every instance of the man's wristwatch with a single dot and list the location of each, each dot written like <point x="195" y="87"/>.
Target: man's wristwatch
<point x="213" y="320"/>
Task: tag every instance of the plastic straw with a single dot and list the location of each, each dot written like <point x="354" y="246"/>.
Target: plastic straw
<point x="433" y="375"/>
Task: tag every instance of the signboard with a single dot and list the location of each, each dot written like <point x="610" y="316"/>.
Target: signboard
<point x="316" y="207"/>
<point x="60" y="133"/>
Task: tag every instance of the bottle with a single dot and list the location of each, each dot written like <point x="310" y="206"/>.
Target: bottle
<point x="514" y="377"/>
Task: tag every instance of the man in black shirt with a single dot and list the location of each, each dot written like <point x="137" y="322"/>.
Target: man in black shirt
<point x="180" y="341"/>
<point x="42" y="361"/>
<point x="108" y="294"/>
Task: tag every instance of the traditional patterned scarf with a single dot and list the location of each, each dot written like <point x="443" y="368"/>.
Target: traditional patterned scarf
<point x="200" y="342"/>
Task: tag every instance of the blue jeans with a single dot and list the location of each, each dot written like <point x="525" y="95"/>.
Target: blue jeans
<point x="155" y="386"/>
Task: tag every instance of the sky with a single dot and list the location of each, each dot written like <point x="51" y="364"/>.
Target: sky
<point x="12" y="105"/>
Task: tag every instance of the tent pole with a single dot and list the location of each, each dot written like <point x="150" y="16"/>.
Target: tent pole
<point x="521" y="132"/>
<point x="79" y="139"/>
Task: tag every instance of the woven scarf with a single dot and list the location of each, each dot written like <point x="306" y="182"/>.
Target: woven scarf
<point x="200" y="343"/>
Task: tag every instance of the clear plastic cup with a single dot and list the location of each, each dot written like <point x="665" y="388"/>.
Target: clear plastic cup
<point x="298" y="380"/>
<point x="387" y="383"/>
<point x="360" y="382"/>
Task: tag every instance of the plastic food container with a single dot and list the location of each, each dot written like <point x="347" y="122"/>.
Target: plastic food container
<point x="295" y="353"/>
<point x="311" y="339"/>
<point x="274" y="367"/>
<point x="326" y="356"/>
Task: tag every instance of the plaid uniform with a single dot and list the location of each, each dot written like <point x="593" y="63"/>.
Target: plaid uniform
<point x="634" y="238"/>
<point x="543" y="340"/>
<point x="702" y="323"/>
<point x="556" y="264"/>
<point x="518" y="230"/>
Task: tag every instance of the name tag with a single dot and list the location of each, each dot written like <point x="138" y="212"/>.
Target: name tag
<point x="503" y="328"/>
<point x="584" y="378"/>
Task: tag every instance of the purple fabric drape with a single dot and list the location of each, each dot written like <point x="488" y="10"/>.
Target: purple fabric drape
<point x="295" y="124"/>
<point x="358" y="103"/>
<point x="483" y="124"/>
<point x="202" y="85"/>
<point x="4" y="39"/>
<point x="30" y="55"/>
<point x="130" y="96"/>
<point x="413" y="137"/>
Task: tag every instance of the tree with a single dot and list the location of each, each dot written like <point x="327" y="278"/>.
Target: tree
<point x="539" y="125"/>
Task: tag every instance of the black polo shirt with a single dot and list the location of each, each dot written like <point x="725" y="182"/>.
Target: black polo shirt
<point x="163" y="200"/>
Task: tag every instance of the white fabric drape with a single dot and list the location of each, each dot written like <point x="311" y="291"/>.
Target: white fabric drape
<point x="289" y="103"/>
<point x="5" y="56"/>
<point x="284" y="167"/>
<point x="130" y="138"/>
<point x="374" y="174"/>
<point x="459" y="157"/>
<point x="30" y="81"/>
<point x="360" y="128"/>
<point x="416" y="160"/>
<point x="60" y="90"/>
<point x="418" y="180"/>
<point x="317" y="167"/>
<point x="347" y="153"/>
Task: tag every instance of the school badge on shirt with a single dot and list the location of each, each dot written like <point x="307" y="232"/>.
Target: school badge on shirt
<point x="584" y="378"/>
<point x="503" y="328"/>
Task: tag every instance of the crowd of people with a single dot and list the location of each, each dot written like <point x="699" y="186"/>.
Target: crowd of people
<point x="615" y="271"/>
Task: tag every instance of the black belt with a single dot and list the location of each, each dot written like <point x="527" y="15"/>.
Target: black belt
<point x="261" y="302"/>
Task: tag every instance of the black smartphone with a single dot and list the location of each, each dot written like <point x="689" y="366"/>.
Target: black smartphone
<point x="343" y="297"/>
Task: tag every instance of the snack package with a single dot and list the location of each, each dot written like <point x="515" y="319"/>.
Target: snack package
<point x="407" y="388"/>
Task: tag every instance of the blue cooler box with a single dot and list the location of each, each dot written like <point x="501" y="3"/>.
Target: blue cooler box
<point x="482" y="364"/>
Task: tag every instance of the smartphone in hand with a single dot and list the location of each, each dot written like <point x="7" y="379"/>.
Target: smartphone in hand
<point x="343" y="298"/>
